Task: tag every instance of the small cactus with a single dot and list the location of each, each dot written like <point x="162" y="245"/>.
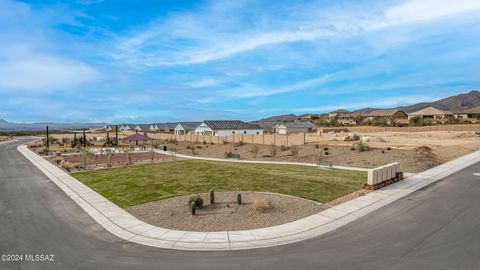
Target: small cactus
<point x="212" y="197"/>
<point x="194" y="208"/>
<point x="239" y="199"/>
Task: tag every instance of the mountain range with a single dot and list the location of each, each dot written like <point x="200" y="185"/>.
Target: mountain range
<point x="9" y="126"/>
<point x="453" y="103"/>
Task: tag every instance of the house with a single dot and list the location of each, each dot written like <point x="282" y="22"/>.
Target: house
<point x="294" y="127"/>
<point x="154" y="128"/>
<point x="125" y="128"/>
<point x="431" y="113"/>
<point x="186" y="127"/>
<point x="468" y="114"/>
<point x="268" y="126"/>
<point x="108" y="127"/>
<point x="389" y="115"/>
<point x="168" y="127"/>
<point x="343" y="117"/>
<point x="227" y="127"/>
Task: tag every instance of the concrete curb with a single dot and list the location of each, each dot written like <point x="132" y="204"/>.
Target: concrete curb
<point x="9" y="141"/>
<point x="258" y="161"/>
<point x="127" y="227"/>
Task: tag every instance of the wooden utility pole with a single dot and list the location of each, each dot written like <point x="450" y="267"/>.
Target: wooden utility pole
<point x="48" y="139"/>
<point x="116" y="136"/>
<point x="84" y="139"/>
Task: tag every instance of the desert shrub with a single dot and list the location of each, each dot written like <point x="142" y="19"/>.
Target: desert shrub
<point x="260" y="205"/>
<point x="389" y="148"/>
<point x="254" y="150"/>
<point x="67" y="165"/>
<point x="197" y="200"/>
<point x="325" y="149"/>
<point x="327" y="153"/>
<point x="284" y="148"/>
<point x="199" y="147"/>
<point x="204" y="142"/>
<point x="383" y="151"/>
<point x="361" y="146"/>
<point x="352" y="148"/>
<point x="317" y="146"/>
<point x="174" y="141"/>
<point x="267" y="156"/>
<point x="231" y="155"/>
<point x="58" y="159"/>
<point x="294" y="150"/>
<point x="273" y="150"/>
<point x="240" y="143"/>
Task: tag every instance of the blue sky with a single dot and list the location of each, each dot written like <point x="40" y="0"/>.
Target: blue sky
<point x="152" y="61"/>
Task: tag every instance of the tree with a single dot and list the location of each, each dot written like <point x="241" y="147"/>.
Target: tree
<point x="416" y="121"/>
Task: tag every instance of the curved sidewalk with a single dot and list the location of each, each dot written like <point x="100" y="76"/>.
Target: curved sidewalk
<point x="125" y="226"/>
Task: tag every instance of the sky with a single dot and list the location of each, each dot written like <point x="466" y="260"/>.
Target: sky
<point x="167" y="60"/>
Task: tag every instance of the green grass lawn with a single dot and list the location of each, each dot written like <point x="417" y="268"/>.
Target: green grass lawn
<point x="144" y="183"/>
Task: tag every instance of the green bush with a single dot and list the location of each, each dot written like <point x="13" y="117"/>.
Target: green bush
<point x="240" y="143"/>
<point x="361" y="146"/>
<point x="197" y="200"/>
<point x="231" y="155"/>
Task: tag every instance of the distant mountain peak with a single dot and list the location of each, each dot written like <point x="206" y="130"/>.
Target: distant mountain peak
<point x="3" y="121"/>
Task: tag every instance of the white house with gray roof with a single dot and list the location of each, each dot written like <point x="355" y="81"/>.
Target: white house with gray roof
<point x="294" y="127"/>
<point x="186" y="127"/>
<point x="227" y="127"/>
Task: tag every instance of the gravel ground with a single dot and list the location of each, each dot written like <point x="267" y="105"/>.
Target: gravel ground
<point x="410" y="160"/>
<point x="225" y="214"/>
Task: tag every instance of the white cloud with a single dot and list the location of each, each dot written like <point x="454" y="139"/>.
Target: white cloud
<point x="254" y="91"/>
<point x="204" y="40"/>
<point x="43" y="72"/>
<point x="425" y="10"/>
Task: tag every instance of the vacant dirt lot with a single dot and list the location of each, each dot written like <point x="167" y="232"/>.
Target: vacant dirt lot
<point x="101" y="161"/>
<point x="411" y="160"/>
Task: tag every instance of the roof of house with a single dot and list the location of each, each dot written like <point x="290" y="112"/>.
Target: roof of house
<point x="144" y="126"/>
<point x="170" y="125"/>
<point x="229" y="124"/>
<point x="189" y="125"/>
<point x="390" y="112"/>
<point x="298" y="124"/>
<point x="474" y="110"/>
<point x="137" y="137"/>
<point x="430" y="111"/>
<point x="341" y="111"/>
<point x="268" y="124"/>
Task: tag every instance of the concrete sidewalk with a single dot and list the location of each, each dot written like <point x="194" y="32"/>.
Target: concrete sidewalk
<point x="125" y="226"/>
<point x="257" y="161"/>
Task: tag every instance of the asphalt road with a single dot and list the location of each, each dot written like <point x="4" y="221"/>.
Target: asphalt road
<point x="437" y="227"/>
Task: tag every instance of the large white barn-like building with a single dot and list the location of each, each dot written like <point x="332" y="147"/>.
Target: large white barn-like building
<point x="227" y="127"/>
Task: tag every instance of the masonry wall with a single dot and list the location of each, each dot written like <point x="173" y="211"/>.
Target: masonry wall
<point x="266" y="139"/>
<point x="471" y="127"/>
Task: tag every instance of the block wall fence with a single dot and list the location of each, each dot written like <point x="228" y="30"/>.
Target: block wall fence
<point x="471" y="127"/>
<point x="266" y="139"/>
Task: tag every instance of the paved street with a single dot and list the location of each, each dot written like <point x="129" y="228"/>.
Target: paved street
<point x="433" y="228"/>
